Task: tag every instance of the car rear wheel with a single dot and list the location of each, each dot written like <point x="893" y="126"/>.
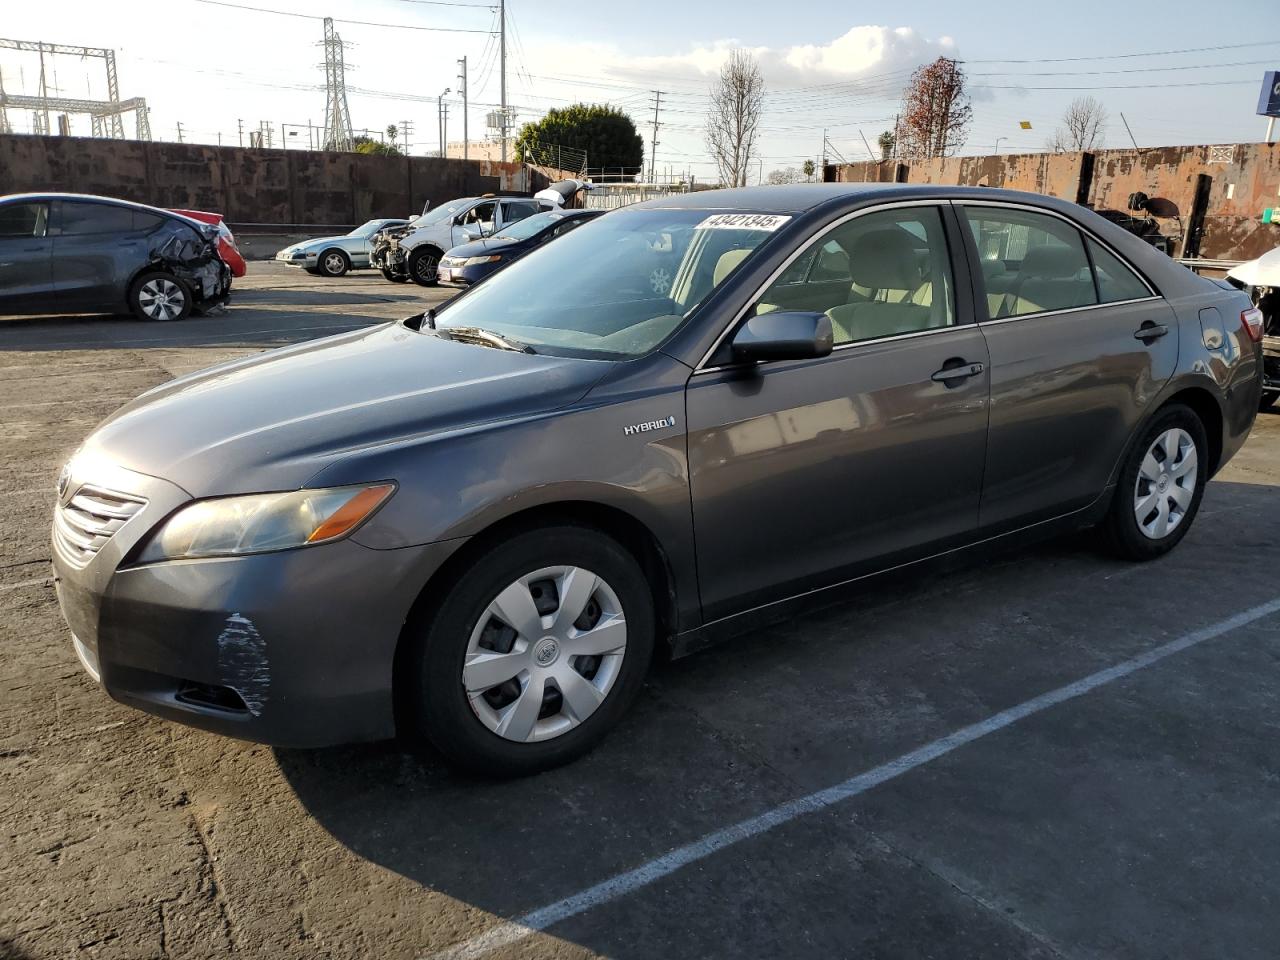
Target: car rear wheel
<point x="333" y="263"/>
<point x="1161" y="485"/>
<point x="160" y="296"/>
<point x="537" y="650"/>
<point x="422" y="267"/>
<point x="393" y="277"/>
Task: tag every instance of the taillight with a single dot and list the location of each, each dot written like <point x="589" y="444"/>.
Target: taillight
<point x="1253" y="323"/>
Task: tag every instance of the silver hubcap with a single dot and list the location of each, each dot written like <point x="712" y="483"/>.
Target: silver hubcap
<point x="1166" y="483"/>
<point x="545" y="654"/>
<point x="333" y="263"/>
<point x="161" y="299"/>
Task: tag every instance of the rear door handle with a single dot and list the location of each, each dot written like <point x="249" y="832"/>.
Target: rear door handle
<point x="1150" y="331"/>
<point x="962" y="371"/>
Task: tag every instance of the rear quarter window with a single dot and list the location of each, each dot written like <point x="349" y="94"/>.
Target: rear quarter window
<point x="1116" y="281"/>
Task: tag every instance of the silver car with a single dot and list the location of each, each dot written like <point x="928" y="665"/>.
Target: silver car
<point x="334" y="256"/>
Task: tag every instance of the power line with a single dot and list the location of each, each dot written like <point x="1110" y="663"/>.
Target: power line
<point x="361" y="23"/>
<point x="1096" y="73"/>
<point x="1128" y="56"/>
<point x="1129" y="86"/>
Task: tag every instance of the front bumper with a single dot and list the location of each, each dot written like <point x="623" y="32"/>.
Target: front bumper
<point x="299" y="259"/>
<point x="294" y="648"/>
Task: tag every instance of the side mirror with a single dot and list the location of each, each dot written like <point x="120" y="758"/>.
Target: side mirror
<point x="785" y="335"/>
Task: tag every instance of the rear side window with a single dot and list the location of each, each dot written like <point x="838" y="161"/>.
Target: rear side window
<point x="1116" y="281"/>
<point x="80" y="219"/>
<point x="1031" y="262"/>
<point x="24" y="219"/>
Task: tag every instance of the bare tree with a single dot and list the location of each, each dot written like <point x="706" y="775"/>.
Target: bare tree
<point x="785" y="175"/>
<point x="733" y="120"/>
<point x="935" y="111"/>
<point x="1082" y="128"/>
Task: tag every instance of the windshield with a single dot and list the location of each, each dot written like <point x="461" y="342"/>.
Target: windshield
<point x="622" y="283"/>
<point x="441" y="214"/>
<point x="366" y="229"/>
<point x="529" y="226"/>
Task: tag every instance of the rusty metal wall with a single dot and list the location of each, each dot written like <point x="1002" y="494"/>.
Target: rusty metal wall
<point x="1245" y="181"/>
<point x="253" y="186"/>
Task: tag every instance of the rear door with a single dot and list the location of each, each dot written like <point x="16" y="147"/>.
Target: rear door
<point x="94" y="244"/>
<point x="25" y="258"/>
<point x="804" y="473"/>
<point x="1080" y="346"/>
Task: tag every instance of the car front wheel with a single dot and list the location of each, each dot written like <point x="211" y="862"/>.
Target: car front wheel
<point x="334" y="263"/>
<point x="537" y="650"/>
<point x="1161" y="485"/>
<point x="422" y="267"/>
<point x="393" y="277"/>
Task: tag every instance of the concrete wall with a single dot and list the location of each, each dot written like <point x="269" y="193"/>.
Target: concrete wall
<point x="1244" y="180"/>
<point x="253" y="186"/>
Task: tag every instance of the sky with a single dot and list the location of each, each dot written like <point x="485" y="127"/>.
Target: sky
<point x="1175" y="72"/>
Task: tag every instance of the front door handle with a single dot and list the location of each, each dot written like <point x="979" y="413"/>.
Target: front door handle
<point x="1150" y="331"/>
<point x="952" y="375"/>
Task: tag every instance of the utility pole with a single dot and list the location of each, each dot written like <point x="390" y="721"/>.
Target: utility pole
<point x="440" y="118"/>
<point x="462" y="80"/>
<point x="444" y="132"/>
<point x="240" y="130"/>
<point x="653" y="152"/>
<point x="502" y="72"/>
<point x="179" y="131"/>
<point x="406" y="129"/>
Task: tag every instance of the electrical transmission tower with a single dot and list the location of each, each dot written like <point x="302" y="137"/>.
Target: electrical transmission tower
<point x="337" y="118"/>
<point x="105" y="116"/>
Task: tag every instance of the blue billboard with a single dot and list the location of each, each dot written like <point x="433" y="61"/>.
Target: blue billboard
<point x="1269" y="101"/>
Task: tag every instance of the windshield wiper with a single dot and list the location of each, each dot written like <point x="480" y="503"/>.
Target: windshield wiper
<point x="486" y="337"/>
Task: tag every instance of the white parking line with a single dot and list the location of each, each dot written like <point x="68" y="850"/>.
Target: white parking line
<point x="510" y="932"/>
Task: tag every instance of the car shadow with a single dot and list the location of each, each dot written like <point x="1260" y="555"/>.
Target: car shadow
<point x="676" y="770"/>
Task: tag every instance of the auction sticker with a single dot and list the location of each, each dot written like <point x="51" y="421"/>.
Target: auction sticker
<point x="768" y="222"/>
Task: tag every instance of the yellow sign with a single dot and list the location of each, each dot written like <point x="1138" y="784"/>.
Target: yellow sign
<point x="1025" y="124"/>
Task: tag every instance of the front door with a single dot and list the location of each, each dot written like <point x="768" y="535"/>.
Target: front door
<point x="25" y="258"/>
<point x="1080" y="348"/>
<point x="807" y="472"/>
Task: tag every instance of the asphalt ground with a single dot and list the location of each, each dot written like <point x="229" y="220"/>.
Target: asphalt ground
<point x="1047" y="754"/>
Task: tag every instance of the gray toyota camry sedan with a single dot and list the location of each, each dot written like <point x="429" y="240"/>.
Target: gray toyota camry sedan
<point x="480" y="525"/>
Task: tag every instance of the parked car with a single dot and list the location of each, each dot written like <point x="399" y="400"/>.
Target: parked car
<point x="1260" y="279"/>
<point x="227" y="248"/>
<point x="334" y="256"/>
<point x="69" y="253"/>
<point x="485" y="519"/>
<point x="472" y="262"/>
<point x="414" y="254"/>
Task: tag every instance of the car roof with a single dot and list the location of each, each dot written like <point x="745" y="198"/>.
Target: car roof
<point x="796" y="198"/>
<point x="92" y="198"/>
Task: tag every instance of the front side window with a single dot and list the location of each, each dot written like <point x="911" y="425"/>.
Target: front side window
<point x="621" y="286"/>
<point x="1031" y="262"/>
<point x="24" y="219"/>
<point x="1116" y="281"/>
<point x="879" y="275"/>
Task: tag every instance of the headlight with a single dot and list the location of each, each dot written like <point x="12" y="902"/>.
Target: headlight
<point x="476" y="261"/>
<point x="231" y="526"/>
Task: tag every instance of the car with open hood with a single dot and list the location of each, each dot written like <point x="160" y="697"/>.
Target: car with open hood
<point x="479" y="525"/>
<point x="334" y="256"/>
<point x="1260" y="279"/>
<point x="74" y="253"/>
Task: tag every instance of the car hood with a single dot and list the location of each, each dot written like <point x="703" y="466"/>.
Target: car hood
<point x="478" y="248"/>
<point x="1263" y="272"/>
<point x="271" y="421"/>
<point x="305" y="244"/>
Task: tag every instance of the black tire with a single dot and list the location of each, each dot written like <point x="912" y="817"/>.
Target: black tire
<point x="422" y="266"/>
<point x="314" y="271"/>
<point x="441" y="710"/>
<point x="1269" y="398"/>
<point x="393" y="277"/>
<point x="333" y="263"/>
<point x="1124" y="536"/>
<point x="159" y="296"/>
